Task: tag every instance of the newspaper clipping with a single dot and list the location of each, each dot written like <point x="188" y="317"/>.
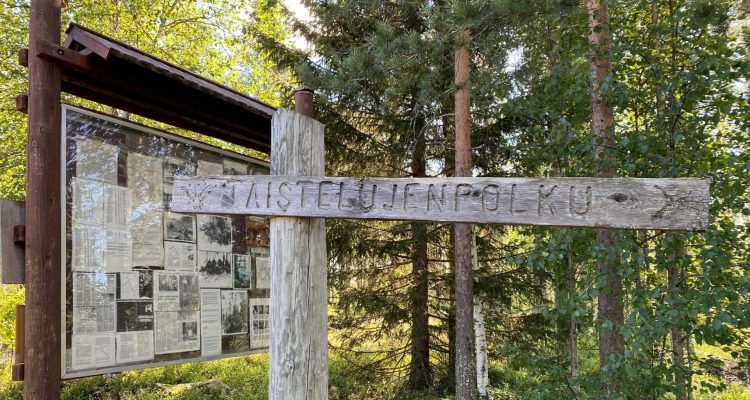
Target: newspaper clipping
<point x="135" y="346"/>
<point x="232" y="167"/>
<point x="166" y="291"/>
<point x="96" y="160"/>
<point x="233" y="312"/>
<point x="214" y="233"/>
<point x="215" y="269"/>
<point x="179" y="227"/>
<point x="262" y="271"/>
<point x="260" y="322"/>
<point x="135" y="316"/>
<point x="93" y="350"/>
<point x="242" y="275"/>
<point x="93" y="302"/>
<point x="210" y="322"/>
<point x="179" y="256"/>
<point x="176" y="332"/>
<point x="135" y="285"/>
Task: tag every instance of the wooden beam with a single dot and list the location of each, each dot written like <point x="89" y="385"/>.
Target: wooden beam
<point x="23" y="57"/>
<point x="91" y="44"/>
<point x="12" y="252"/>
<point x="163" y="99"/>
<point x="132" y="90"/>
<point x="42" y="363"/>
<point x="20" y="348"/>
<point x="65" y="57"/>
<point x="22" y="103"/>
<point x="661" y="204"/>
<point x="122" y="88"/>
<point x="299" y="291"/>
<point x="152" y="109"/>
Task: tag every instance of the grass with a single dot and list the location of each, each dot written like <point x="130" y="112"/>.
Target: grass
<point x="247" y="379"/>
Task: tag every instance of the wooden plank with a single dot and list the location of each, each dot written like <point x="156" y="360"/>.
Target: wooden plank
<point x="23" y="57"/>
<point x="629" y="203"/>
<point x="109" y="48"/>
<point x="299" y="291"/>
<point x="20" y="349"/>
<point x="42" y="364"/>
<point x="11" y="253"/>
<point x="22" y="103"/>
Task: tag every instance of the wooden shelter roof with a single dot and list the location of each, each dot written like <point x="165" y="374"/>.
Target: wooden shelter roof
<point x="109" y="72"/>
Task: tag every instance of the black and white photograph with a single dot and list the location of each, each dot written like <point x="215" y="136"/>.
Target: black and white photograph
<point x="214" y="233"/>
<point x="234" y="308"/>
<point x="215" y="269"/>
<point x="190" y="299"/>
<point x="262" y="271"/>
<point x="135" y="316"/>
<point x="189" y="330"/>
<point x="135" y="285"/>
<point x="260" y="314"/>
<point x="242" y="274"/>
<point x="166" y="293"/>
<point x="168" y="282"/>
<point x="179" y="227"/>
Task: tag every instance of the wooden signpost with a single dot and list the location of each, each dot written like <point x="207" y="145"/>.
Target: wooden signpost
<point x="299" y="198"/>
<point x="661" y="204"/>
<point x="297" y="195"/>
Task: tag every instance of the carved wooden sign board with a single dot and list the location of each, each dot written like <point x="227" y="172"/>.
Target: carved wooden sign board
<point x="629" y="203"/>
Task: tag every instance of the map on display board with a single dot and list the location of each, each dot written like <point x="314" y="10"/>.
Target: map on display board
<point x="144" y="286"/>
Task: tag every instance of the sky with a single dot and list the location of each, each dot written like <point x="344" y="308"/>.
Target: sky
<point x="302" y="14"/>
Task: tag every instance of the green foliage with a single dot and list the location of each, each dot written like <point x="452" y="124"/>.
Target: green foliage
<point x="10" y="296"/>
<point x="383" y="76"/>
<point x="207" y="37"/>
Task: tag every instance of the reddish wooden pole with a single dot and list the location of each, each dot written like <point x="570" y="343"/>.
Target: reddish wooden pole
<point x="43" y="220"/>
<point x="20" y="350"/>
<point x="466" y="372"/>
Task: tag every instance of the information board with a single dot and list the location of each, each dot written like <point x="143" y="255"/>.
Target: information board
<point x="144" y="286"/>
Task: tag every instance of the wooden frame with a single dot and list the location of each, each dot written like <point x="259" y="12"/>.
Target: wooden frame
<point x="103" y="70"/>
<point x="63" y="267"/>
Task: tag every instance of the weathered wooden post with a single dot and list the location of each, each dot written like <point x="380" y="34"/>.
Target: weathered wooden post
<point x="299" y="291"/>
<point x="43" y="219"/>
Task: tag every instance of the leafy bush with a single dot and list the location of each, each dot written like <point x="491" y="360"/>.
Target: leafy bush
<point x="10" y="296"/>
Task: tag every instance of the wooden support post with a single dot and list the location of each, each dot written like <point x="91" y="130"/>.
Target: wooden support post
<point x="18" y="352"/>
<point x="23" y="57"/>
<point x="22" y="103"/>
<point x="299" y="291"/>
<point x="11" y="245"/>
<point x="43" y="220"/>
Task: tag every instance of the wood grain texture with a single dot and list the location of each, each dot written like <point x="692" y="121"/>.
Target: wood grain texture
<point x="42" y="366"/>
<point x="11" y="254"/>
<point x="629" y="203"/>
<point x="299" y="291"/>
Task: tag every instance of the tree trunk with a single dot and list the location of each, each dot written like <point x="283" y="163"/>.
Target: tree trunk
<point x="610" y="308"/>
<point x="480" y="339"/>
<point x="677" y="336"/>
<point x="466" y="375"/>
<point x="450" y="170"/>
<point x="420" y="374"/>
<point x="573" y="333"/>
